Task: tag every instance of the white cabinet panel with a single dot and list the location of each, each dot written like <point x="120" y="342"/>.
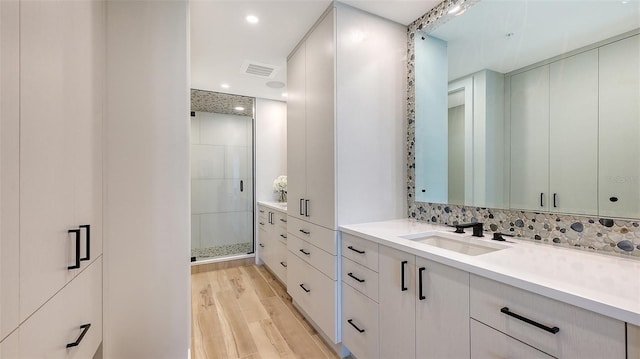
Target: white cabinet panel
<point x="633" y="341"/>
<point x="442" y="311"/>
<point x="573" y="132"/>
<point x="360" y="324"/>
<point x="9" y="347"/>
<point x="296" y="132"/>
<point x="530" y="140"/>
<point x="619" y="114"/>
<point x="10" y="166"/>
<point x="61" y="87"/>
<point x="488" y="343"/>
<point x="47" y="333"/>
<point x="360" y="278"/>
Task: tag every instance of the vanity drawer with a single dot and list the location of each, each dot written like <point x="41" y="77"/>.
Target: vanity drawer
<point x="318" y="236"/>
<point x="280" y="219"/>
<point x="489" y="343"/>
<point x="360" y="278"/>
<point x="314" y="292"/>
<point x="278" y="261"/>
<point x="581" y="334"/>
<point x="262" y="214"/>
<point x="281" y="235"/>
<point x="360" y="251"/>
<point x="359" y="324"/>
<point x="313" y="255"/>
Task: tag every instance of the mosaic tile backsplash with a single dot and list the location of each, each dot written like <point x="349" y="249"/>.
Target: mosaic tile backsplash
<point x="599" y="235"/>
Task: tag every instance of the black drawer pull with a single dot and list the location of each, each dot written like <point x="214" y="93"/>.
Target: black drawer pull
<point x="541" y="195"/>
<point x="283" y="220"/>
<point x="305" y="232"/>
<point x="283" y="264"/>
<point x="356" y="278"/>
<point x="85" y="329"/>
<point x="420" y="295"/>
<point x="553" y="330"/>
<point x="88" y="242"/>
<point x="262" y="223"/>
<point x="402" y="286"/>
<point x="77" y="257"/>
<point x="350" y="321"/>
<point x="283" y="236"/>
<point x="355" y="250"/>
<point x="261" y="245"/>
<point x="555" y="205"/>
<point x="305" y="289"/>
<point x="305" y="252"/>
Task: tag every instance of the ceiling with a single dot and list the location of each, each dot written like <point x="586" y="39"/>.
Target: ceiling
<point x="222" y="41"/>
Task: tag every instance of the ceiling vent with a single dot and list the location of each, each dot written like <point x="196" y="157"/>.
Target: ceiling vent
<point x="259" y="70"/>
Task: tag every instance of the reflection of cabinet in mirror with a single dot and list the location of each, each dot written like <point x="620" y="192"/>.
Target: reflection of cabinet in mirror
<point x="554" y="136"/>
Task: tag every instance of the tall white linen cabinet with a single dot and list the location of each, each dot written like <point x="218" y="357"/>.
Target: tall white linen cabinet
<point x="346" y="147"/>
<point x="52" y="77"/>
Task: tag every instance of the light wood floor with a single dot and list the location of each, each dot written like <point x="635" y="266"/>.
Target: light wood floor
<point x="244" y="312"/>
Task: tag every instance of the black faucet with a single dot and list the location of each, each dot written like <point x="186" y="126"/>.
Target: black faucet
<point x="477" y="228"/>
<point x="497" y="236"/>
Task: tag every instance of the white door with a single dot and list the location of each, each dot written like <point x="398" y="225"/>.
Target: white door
<point x="296" y="134"/>
<point x="397" y="301"/>
<point x="619" y="113"/>
<point x="573" y="134"/>
<point x="442" y="311"/>
<point x="530" y="140"/>
<point x="320" y="130"/>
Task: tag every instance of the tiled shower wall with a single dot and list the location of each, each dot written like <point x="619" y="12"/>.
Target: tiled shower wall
<point x="600" y="235"/>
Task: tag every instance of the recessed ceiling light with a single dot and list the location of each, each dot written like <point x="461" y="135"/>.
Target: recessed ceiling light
<point x="284" y="94"/>
<point x="239" y="108"/>
<point x="275" y="84"/>
<point x="454" y="9"/>
<point x="252" y="19"/>
<point x="224" y="86"/>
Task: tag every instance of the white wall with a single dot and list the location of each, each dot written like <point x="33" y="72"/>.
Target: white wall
<point x="146" y="251"/>
<point x="271" y="146"/>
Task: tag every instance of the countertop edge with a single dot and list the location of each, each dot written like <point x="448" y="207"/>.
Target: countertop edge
<point x="274" y="205"/>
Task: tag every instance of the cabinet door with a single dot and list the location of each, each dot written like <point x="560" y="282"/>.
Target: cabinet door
<point x="442" y="311"/>
<point x="296" y="133"/>
<point x="10" y="166"/>
<point x="619" y="148"/>
<point x="320" y="139"/>
<point x="530" y="140"/>
<point x="57" y="92"/>
<point x="633" y="341"/>
<point x="9" y="346"/>
<point x="397" y="301"/>
<point x="573" y="151"/>
<point x="489" y="343"/>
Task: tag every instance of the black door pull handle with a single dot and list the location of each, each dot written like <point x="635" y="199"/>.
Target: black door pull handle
<point x="554" y="200"/>
<point x="241" y="186"/>
<point x="356" y="278"/>
<point x="350" y="321"/>
<point x="77" y="256"/>
<point x="355" y="250"/>
<point x="305" y="289"/>
<point x="301" y="204"/>
<point x="88" y="242"/>
<point x="420" y="295"/>
<point x="85" y="329"/>
<point x="305" y="252"/>
<point x="402" y="266"/>
<point x="306" y="208"/>
<point x="552" y="330"/>
<point x="541" y="194"/>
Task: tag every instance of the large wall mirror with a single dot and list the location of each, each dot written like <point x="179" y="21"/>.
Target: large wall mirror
<point x="531" y="105"/>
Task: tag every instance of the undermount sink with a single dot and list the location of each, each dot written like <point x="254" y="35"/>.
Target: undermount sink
<point x="468" y="246"/>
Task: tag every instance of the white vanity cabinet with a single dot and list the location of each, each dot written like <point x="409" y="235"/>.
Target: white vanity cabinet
<point x="548" y="104"/>
<point x="619" y="115"/>
<point x="272" y="240"/>
<point x="558" y="329"/>
<point x="342" y="146"/>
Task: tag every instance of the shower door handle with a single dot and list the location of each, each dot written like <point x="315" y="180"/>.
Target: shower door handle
<point x="241" y="186"/>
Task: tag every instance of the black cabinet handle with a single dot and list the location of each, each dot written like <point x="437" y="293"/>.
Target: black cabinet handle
<point x="355" y="250"/>
<point x="305" y="252"/>
<point x="261" y="211"/>
<point x="541" y="194"/>
<point x="306" y="208"/>
<point x="283" y="220"/>
<point x="305" y="289"/>
<point x="554" y="200"/>
<point x="553" y="330"/>
<point x="261" y="245"/>
<point x="271" y="217"/>
<point x="350" y="321"/>
<point x="283" y="236"/>
<point x="283" y="264"/>
<point x="402" y="266"/>
<point x="420" y="295"/>
<point x="241" y="186"/>
<point x="85" y="329"/>
<point x="356" y="278"/>
<point x="262" y="223"/>
<point x="301" y="203"/>
<point x="77" y="233"/>
<point x="88" y="242"/>
<point x="305" y="232"/>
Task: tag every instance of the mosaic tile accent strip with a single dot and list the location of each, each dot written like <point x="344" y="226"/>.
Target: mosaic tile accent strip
<point x="599" y="235"/>
<point x="216" y="102"/>
<point x="221" y="251"/>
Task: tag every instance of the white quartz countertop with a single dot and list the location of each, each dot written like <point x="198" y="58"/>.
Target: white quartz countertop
<point x="604" y="284"/>
<point x="278" y="206"/>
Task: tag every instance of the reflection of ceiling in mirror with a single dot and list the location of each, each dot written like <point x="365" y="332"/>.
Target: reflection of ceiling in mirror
<point x="540" y="30"/>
